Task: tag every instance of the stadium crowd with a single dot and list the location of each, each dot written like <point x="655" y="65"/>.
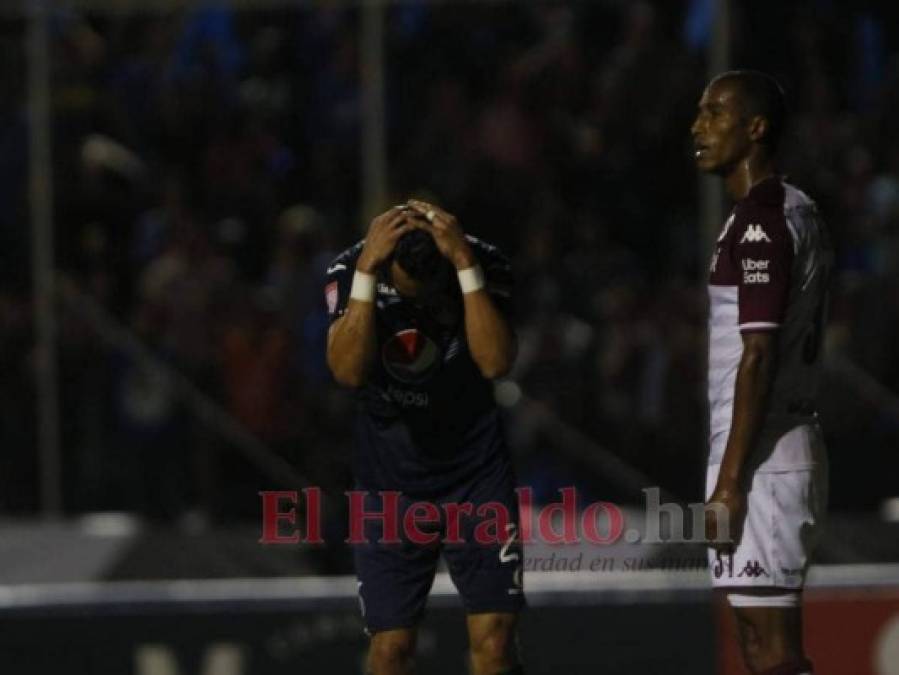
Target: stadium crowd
<point x="207" y="166"/>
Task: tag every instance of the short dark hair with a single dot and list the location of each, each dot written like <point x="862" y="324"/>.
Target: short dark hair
<point x="762" y="95"/>
<point x="418" y="255"/>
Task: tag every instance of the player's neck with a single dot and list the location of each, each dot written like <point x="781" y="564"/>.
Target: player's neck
<point x="746" y="174"/>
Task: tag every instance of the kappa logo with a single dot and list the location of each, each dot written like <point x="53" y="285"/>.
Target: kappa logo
<point x="753" y="569"/>
<point x="754" y="234"/>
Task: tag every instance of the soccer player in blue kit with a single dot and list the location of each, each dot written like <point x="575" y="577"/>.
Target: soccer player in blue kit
<point x="419" y="329"/>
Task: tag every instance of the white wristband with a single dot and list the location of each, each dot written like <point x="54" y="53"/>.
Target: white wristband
<point x="363" y="288"/>
<point x="471" y="279"/>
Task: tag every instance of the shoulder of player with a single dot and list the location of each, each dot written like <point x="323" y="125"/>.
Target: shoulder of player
<point x="488" y="254"/>
<point x="794" y="196"/>
<point x="346" y="259"/>
<point x="760" y="221"/>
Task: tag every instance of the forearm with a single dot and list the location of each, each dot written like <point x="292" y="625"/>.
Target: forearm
<point x="751" y="391"/>
<point x="352" y="344"/>
<point x="491" y="341"/>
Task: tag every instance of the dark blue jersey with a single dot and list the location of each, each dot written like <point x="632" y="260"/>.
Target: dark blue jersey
<point x="426" y="417"/>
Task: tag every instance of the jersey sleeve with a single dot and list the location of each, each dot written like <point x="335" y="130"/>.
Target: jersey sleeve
<point x="763" y="253"/>
<point x="338" y="280"/>
<point x="498" y="277"/>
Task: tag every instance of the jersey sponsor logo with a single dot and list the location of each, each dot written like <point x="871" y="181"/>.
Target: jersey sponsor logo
<point x="335" y="268"/>
<point x="331" y="296"/>
<point x="410" y="356"/>
<point x="750" y="278"/>
<point x="407" y="398"/>
<point x="754" y="234"/>
<point x="750" y="265"/>
<point x="755" y="271"/>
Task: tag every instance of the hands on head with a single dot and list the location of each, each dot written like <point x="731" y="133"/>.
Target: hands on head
<point x="387" y="228"/>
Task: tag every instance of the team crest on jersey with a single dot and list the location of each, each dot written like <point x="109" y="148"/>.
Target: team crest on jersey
<point x="410" y="356"/>
<point x="331" y="296"/>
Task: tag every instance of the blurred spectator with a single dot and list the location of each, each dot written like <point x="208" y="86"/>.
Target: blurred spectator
<point x="207" y="167"/>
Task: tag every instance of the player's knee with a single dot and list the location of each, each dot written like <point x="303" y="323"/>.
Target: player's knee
<point x="494" y="643"/>
<point x="391" y="651"/>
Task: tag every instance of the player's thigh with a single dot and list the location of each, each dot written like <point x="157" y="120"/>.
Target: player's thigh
<point x="486" y="563"/>
<point x="394" y="579"/>
<point x="781" y="529"/>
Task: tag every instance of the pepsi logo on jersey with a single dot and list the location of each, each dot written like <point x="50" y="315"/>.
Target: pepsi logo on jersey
<point x="410" y="356"/>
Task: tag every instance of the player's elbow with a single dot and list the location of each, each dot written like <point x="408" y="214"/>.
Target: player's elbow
<point x="499" y="361"/>
<point x="495" y="368"/>
<point x="344" y="374"/>
<point x="758" y="356"/>
<point x="759" y="349"/>
<point x="759" y="363"/>
<point x="493" y="373"/>
<point x="348" y="379"/>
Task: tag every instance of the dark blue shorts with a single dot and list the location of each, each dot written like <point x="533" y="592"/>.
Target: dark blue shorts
<point x="485" y="564"/>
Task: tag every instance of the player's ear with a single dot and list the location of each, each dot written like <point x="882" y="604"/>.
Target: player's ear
<point x="758" y="128"/>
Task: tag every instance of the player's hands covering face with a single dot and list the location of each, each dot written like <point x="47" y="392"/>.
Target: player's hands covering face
<point x="447" y="233"/>
<point x="383" y="234"/>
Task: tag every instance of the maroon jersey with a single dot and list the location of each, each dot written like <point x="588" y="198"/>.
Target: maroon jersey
<point x="769" y="273"/>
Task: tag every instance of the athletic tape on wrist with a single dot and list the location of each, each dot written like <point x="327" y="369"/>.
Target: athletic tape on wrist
<point x="363" y="287"/>
<point x="471" y="279"/>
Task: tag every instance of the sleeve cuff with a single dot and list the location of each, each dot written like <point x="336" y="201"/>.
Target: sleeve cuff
<point x="754" y="326"/>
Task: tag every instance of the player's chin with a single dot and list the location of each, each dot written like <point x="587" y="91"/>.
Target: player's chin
<point x="706" y="163"/>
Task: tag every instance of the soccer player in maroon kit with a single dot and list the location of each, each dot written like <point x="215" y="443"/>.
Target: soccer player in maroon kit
<point x="767" y="471"/>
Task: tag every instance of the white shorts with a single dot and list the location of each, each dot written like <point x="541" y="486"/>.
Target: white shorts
<point x="784" y="514"/>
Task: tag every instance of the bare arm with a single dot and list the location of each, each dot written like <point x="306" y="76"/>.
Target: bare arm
<point x="491" y="341"/>
<point x="754" y="378"/>
<point x="352" y="341"/>
<point x="352" y="344"/>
